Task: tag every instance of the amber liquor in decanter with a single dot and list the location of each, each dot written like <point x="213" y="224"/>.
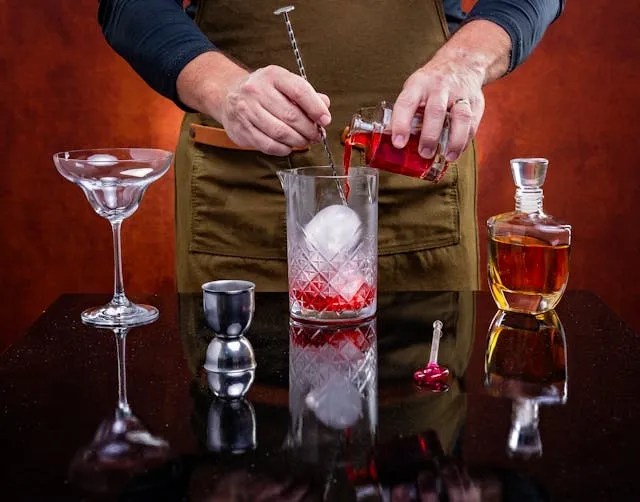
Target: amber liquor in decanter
<point x="528" y="249"/>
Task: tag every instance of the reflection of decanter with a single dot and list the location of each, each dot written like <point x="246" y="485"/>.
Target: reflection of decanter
<point x="528" y="249"/>
<point x="526" y="357"/>
<point x="526" y="361"/>
<point x="524" y="437"/>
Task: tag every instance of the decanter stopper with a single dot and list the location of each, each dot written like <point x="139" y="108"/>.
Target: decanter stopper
<point x="524" y="437"/>
<point x="529" y="173"/>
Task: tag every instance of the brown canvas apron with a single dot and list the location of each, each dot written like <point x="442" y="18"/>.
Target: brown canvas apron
<point x="230" y="215"/>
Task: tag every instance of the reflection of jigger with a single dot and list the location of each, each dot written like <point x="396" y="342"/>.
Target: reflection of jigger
<point x="230" y="362"/>
<point x="526" y="361"/>
<point x="231" y="426"/>
<point x="333" y="375"/>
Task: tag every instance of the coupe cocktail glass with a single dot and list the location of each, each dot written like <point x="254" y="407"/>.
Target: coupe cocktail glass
<point x="114" y="181"/>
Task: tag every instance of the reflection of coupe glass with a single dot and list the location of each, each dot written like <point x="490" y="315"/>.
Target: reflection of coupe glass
<point x="114" y="181"/>
<point x="122" y="447"/>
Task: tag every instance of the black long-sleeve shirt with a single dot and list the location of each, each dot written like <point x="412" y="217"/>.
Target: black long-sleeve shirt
<point x="158" y="38"/>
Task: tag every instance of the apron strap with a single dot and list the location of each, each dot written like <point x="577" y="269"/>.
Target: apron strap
<point x="216" y="136"/>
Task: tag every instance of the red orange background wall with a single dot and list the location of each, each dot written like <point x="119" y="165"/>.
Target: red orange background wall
<point x="575" y="101"/>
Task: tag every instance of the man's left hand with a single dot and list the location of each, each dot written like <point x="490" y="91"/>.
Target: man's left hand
<point x="438" y="87"/>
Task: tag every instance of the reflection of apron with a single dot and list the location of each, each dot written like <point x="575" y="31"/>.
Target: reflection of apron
<point x="230" y="205"/>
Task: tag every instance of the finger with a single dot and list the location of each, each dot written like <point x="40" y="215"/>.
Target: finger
<point x="304" y="95"/>
<point x="461" y="120"/>
<point x="277" y="104"/>
<point x="325" y="99"/>
<point x="477" y="107"/>
<point x="259" y="140"/>
<point x="434" y="114"/>
<point x="404" y="109"/>
<point x="277" y="129"/>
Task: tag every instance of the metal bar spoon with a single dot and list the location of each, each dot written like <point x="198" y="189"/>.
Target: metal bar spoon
<point x="296" y="52"/>
<point x="433" y="376"/>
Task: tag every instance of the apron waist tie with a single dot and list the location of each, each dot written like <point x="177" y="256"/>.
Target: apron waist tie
<point x="217" y="136"/>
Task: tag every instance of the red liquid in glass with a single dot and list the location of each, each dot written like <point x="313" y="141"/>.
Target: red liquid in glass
<point x="313" y="296"/>
<point x="380" y="154"/>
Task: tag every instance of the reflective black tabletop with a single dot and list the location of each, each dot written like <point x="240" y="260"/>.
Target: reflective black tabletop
<point x="535" y="409"/>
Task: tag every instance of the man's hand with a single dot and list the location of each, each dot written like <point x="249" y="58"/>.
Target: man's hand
<point x="438" y="87"/>
<point x="476" y="55"/>
<point x="270" y="109"/>
<point x="273" y="110"/>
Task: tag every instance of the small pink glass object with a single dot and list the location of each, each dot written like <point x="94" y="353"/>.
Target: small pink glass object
<point x="433" y="377"/>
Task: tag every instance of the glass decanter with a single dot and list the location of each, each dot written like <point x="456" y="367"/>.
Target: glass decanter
<point x="528" y="255"/>
<point x="370" y="130"/>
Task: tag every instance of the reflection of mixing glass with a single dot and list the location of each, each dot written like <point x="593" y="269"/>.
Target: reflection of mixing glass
<point x="433" y="376"/>
<point x="122" y="448"/>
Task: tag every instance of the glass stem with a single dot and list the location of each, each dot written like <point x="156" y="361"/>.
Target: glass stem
<point x="119" y="297"/>
<point x="123" y="404"/>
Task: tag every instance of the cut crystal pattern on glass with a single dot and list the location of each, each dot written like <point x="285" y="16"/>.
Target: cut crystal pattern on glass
<point x="333" y="373"/>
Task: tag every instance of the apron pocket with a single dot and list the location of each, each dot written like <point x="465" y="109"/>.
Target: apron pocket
<point x="416" y="215"/>
<point x="237" y="203"/>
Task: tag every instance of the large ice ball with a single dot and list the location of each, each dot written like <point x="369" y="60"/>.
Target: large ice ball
<point x="334" y="229"/>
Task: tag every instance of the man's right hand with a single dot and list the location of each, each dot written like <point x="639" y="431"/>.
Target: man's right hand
<point x="270" y="109"/>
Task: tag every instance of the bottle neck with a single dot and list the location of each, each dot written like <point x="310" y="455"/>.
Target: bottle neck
<point x="529" y="200"/>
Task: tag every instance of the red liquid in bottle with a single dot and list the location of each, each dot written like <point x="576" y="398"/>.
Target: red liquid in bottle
<point x="381" y="154"/>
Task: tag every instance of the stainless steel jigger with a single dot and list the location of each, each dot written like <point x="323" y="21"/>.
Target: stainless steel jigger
<point x="296" y="52"/>
<point x="230" y="362"/>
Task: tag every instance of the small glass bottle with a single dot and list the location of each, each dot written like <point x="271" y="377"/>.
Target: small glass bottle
<point x="370" y="130"/>
<point x="528" y="254"/>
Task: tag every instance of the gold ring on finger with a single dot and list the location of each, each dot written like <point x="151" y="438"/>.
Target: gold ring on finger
<point x="461" y="100"/>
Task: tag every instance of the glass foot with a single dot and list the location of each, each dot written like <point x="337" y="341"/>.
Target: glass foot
<point x="110" y="315"/>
